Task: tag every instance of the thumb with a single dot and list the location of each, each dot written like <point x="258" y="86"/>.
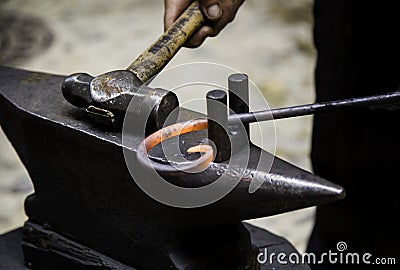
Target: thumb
<point x="211" y="9"/>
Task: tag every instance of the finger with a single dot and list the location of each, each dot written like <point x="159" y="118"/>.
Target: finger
<point x="228" y="14"/>
<point x="211" y="9"/>
<point x="173" y="9"/>
<point x="199" y="37"/>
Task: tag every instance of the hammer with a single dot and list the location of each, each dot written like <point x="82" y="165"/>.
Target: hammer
<point x="106" y="97"/>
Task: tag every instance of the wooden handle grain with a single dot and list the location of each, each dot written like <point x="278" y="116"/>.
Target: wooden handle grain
<point x="157" y="55"/>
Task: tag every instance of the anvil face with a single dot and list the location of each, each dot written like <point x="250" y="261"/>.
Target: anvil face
<point x="84" y="190"/>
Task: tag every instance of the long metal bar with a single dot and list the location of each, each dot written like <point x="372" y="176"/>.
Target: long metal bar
<point x="300" y="110"/>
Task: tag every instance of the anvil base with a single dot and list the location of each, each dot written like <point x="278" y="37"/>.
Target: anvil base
<point x="11" y="253"/>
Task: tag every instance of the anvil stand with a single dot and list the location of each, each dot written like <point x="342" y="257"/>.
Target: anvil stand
<point x="87" y="213"/>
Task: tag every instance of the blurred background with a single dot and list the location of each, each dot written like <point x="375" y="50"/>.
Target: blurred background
<point x="270" y="41"/>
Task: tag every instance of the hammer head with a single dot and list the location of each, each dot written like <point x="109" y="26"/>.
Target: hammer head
<point x="106" y="97"/>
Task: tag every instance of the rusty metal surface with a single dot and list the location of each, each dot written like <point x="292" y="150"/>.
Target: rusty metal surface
<point x="83" y="188"/>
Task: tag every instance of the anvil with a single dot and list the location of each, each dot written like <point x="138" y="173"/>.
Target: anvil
<point x="86" y="212"/>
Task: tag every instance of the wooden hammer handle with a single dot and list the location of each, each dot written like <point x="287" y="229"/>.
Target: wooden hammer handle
<point x="157" y="55"/>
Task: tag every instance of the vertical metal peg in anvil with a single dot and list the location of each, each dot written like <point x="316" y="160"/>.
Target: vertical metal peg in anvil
<point x="88" y="213"/>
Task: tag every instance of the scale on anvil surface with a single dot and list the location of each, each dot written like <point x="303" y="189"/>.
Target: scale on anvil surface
<point x="88" y="213"/>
